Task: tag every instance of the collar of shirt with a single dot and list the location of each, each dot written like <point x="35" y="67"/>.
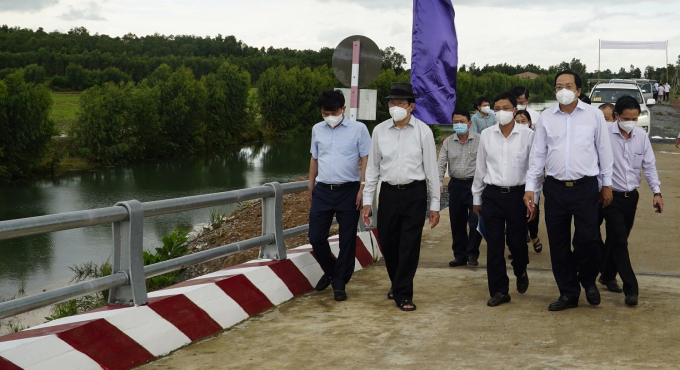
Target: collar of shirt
<point x="410" y="122"/>
<point x="580" y="105"/>
<point x="497" y="128"/>
<point x="456" y="138"/>
<point x="615" y="130"/>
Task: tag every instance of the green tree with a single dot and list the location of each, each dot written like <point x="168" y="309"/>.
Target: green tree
<point x="25" y="126"/>
<point x="34" y="73"/>
<point x="393" y="60"/>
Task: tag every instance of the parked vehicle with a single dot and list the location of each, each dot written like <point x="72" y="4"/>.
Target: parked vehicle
<point x="647" y="89"/>
<point x="656" y="94"/>
<point x="611" y="92"/>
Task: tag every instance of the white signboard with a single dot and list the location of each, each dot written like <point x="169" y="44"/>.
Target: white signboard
<point x="368" y="100"/>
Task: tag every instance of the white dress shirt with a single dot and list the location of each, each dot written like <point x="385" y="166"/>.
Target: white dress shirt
<point x="502" y="161"/>
<point x="401" y="156"/>
<point x="629" y="155"/>
<point x="570" y="146"/>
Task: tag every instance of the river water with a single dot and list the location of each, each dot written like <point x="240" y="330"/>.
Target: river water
<point x="41" y="262"/>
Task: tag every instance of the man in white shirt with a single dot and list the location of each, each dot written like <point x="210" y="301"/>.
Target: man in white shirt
<point x="667" y="91"/>
<point x="403" y="157"/>
<point x="631" y="150"/>
<point x="522" y="95"/>
<point x="497" y="190"/>
<point x="572" y="144"/>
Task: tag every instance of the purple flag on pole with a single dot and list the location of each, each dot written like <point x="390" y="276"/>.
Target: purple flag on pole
<point x="434" y="60"/>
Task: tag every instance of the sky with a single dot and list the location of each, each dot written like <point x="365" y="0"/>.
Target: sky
<point x="541" y="32"/>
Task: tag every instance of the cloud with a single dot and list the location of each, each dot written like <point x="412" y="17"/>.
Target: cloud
<point x="376" y="4"/>
<point x="90" y="13"/>
<point x="26" y="5"/>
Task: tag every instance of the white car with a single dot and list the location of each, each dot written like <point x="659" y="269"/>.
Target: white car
<point x="611" y="92"/>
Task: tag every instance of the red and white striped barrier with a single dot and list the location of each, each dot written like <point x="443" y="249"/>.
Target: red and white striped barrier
<point x="121" y="337"/>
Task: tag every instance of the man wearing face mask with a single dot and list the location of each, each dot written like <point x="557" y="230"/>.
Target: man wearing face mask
<point x="459" y="152"/>
<point x="631" y="149"/>
<point x="403" y="157"/>
<point x="573" y="146"/>
<point x="497" y="190"/>
<point x="337" y="172"/>
<point x="484" y="117"/>
<point x="522" y="95"/>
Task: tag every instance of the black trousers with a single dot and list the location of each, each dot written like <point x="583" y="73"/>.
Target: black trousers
<point x="400" y="228"/>
<point x="501" y="212"/>
<point x="464" y="245"/>
<point x="533" y="224"/>
<point x="619" y="217"/>
<point x="562" y="203"/>
<point x="340" y="203"/>
<point x="606" y="264"/>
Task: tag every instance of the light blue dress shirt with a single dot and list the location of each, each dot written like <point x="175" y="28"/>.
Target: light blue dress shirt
<point x="339" y="150"/>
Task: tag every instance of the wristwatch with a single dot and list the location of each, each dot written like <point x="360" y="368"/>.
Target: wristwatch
<point x="658" y="195"/>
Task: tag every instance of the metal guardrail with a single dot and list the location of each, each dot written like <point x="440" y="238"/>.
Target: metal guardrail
<point x="127" y="283"/>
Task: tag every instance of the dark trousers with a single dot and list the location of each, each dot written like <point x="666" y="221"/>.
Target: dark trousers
<point x="562" y="203"/>
<point x="400" y="228"/>
<point x="501" y="212"/>
<point x="533" y="224"/>
<point x="340" y="203"/>
<point x="606" y="264"/>
<point x="619" y="217"/>
<point x="464" y="245"/>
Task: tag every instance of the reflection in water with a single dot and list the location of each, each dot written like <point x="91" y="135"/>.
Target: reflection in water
<point x="42" y="261"/>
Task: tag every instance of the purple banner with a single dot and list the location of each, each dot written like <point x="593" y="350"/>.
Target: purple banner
<point x="434" y="60"/>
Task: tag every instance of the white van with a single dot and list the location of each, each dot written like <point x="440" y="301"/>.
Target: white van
<point x="611" y="92"/>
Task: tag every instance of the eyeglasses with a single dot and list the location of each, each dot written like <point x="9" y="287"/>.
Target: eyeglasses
<point x="568" y="87"/>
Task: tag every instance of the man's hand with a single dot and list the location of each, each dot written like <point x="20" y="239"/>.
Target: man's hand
<point x="434" y="219"/>
<point x="606" y="196"/>
<point x="476" y="209"/>
<point x="677" y="142"/>
<point x="310" y="189"/>
<point x="441" y="188"/>
<point x="365" y="215"/>
<point x="657" y="203"/>
<point x="529" y="197"/>
<point x="360" y="197"/>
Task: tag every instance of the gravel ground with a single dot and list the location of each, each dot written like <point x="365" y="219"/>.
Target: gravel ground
<point x="665" y="122"/>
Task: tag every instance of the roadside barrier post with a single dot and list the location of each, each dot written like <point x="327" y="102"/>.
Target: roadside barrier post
<point x="272" y="214"/>
<point x="128" y="250"/>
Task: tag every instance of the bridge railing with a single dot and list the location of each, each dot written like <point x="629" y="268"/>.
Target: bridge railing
<point x="126" y="284"/>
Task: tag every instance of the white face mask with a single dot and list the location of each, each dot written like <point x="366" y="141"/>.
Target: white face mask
<point x="487" y="110"/>
<point x="521" y="107"/>
<point x="504" y="117"/>
<point x="627" y="126"/>
<point x="565" y="97"/>
<point x="334" y="120"/>
<point x="398" y="113"/>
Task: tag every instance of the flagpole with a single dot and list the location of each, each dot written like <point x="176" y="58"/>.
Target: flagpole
<point x="599" y="56"/>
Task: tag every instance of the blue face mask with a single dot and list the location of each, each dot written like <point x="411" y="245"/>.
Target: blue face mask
<point x="460" y="128"/>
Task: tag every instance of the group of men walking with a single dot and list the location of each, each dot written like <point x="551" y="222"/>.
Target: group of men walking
<point x="499" y="161"/>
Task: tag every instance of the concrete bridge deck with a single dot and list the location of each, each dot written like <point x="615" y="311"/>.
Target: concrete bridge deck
<point x="453" y="327"/>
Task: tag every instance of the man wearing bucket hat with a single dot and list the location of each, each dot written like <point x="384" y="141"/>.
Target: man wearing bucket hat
<point x="403" y="157"/>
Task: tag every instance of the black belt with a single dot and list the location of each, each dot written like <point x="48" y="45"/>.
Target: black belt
<point x="571" y="183"/>
<point x="625" y="194"/>
<point x="507" y="189"/>
<point x="404" y="186"/>
<point x="337" y="186"/>
<point x="466" y="181"/>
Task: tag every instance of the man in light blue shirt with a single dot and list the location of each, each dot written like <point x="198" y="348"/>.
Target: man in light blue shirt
<point x="337" y="171"/>
<point x="484" y="117"/>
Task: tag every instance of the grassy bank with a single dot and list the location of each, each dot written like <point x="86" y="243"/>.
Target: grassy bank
<point x="64" y="109"/>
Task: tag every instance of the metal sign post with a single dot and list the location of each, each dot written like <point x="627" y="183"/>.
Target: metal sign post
<point x="354" y="100"/>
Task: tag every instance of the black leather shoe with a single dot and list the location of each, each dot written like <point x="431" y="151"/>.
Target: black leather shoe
<point x="498" y="299"/>
<point x="523" y="283"/>
<point x="340" y="295"/>
<point x="323" y="283"/>
<point x="563" y="303"/>
<point x="611" y="285"/>
<point x="593" y="295"/>
<point x="472" y="261"/>
<point x="458" y="262"/>
<point x="631" y="300"/>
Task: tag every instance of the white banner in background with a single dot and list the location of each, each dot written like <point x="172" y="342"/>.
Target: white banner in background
<point x="647" y="45"/>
